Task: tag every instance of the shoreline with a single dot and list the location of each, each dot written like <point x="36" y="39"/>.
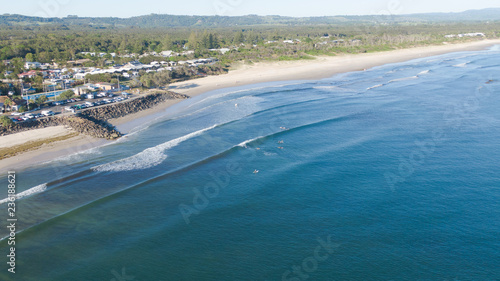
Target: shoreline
<point x="320" y="68"/>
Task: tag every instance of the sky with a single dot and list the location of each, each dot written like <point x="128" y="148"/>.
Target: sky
<point x="298" y="8"/>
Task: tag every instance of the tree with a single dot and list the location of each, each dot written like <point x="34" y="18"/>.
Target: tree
<point x="193" y="41"/>
<point x="161" y="78"/>
<point x="29" y="57"/>
<point x="147" y="81"/>
<point x="41" y="100"/>
<point x="239" y="38"/>
<point x="66" y="95"/>
<point x="6" y="121"/>
<point x="22" y="109"/>
<point x="8" y="101"/>
<point x="31" y="104"/>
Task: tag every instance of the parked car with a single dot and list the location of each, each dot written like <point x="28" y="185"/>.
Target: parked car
<point x="102" y="94"/>
<point x="89" y="104"/>
<point x="17" y="114"/>
<point x="29" y="115"/>
<point x="48" y="113"/>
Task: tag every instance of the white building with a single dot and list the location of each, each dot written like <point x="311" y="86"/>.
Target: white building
<point x="32" y="65"/>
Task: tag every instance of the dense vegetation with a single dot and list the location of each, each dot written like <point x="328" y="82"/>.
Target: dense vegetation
<point x="56" y="43"/>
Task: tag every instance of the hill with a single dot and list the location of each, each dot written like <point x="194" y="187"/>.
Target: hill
<point x="157" y="20"/>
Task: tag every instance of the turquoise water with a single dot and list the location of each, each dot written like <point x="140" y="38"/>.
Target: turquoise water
<point x="386" y="174"/>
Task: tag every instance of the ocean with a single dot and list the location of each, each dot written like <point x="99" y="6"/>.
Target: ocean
<point x="386" y="174"/>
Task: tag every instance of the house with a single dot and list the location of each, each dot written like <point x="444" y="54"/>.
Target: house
<point x="186" y="53"/>
<point x="134" y="65"/>
<point x="29" y="91"/>
<point x="32" y="65"/>
<point x="167" y="53"/>
<point x="83" y="89"/>
<point x="80" y="76"/>
<point x="106" y="86"/>
<point x="16" y="104"/>
<point x="29" y="74"/>
<point x="221" y="50"/>
<point x="46" y="66"/>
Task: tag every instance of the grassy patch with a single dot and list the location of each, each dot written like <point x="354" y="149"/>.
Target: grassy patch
<point x="29" y="146"/>
<point x="289" y="58"/>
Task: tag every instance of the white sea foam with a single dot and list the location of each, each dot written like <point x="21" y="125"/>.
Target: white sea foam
<point x="148" y="158"/>
<point x="244" y="144"/>
<point x="461" y="64"/>
<point x="404" y="79"/>
<point x="326" y="87"/>
<point x="376" y="86"/>
<point x="79" y="155"/>
<point x="29" y="192"/>
<point x="424" y="72"/>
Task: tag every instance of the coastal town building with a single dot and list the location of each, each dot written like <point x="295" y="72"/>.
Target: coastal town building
<point x="106" y="86"/>
<point x="32" y="65"/>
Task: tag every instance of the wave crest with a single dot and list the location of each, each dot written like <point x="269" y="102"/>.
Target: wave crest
<point x="148" y="158"/>
<point x="26" y="193"/>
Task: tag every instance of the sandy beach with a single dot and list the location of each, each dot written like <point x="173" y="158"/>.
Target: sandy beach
<point x="244" y="74"/>
<point x="322" y="67"/>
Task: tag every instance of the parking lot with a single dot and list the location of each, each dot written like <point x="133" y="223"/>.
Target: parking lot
<point x="67" y="107"/>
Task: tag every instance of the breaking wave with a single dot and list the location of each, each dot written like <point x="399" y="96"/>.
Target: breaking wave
<point x="29" y="192"/>
<point x="148" y="158"/>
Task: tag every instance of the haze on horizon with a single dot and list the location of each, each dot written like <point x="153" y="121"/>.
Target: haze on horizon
<point x="296" y="8"/>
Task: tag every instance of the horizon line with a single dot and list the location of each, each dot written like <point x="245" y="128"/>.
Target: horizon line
<point x="234" y="16"/>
